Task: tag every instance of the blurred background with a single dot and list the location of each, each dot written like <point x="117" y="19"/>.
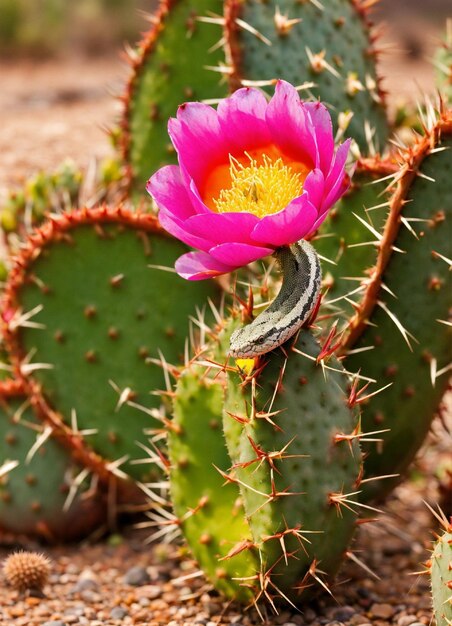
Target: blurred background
<point x="45" y="28"/>
<point x="49" y="28"/>
<point x="61" y="59"/>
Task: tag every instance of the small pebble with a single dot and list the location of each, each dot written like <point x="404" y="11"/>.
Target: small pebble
<point x="75" y="611"/>
<point x="85" y="584"/>
<point x="309" y="615"/>
<point x="118" y="612"/>
<point x="406" y="620"/>
<point x="359" y="620"/>
<point x="148" y="591"/>
<point x="90" y="596"/>
<point x="56" y="622"/>
<point x="382" y="611"/>
<point x="343" y="613"/>
<point x="136" y="576"/>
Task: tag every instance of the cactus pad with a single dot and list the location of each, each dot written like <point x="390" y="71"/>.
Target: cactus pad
<point x="298" y="465"/>
<point x="211" y="513"/>
<point x="83" y="301"/>
<point x="409" y="332"/>
<point x="325" y="43"/>
<point x="168" y="69"/>
<point x="42" y="491"/>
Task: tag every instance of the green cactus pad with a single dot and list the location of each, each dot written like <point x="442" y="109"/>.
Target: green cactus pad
<point x="104" y="313"/>
<point x="34" y="492"/>
<point x="327" y="43"/>
<point x="170" y="68"/>
<point x="296" y="470"/>
<point x="419" y="277"/>
<point x="211" y="511"/>
<point x="441" y="577"/>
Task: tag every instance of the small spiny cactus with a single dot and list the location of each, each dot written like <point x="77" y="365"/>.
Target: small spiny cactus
<point x="27" y="571"/>
<point x="440" y="568"/>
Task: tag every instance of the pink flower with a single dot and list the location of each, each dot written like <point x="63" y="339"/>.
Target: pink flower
<point x="253" y="176"/>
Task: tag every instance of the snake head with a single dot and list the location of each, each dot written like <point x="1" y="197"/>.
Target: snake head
<point x="246" y="344"/>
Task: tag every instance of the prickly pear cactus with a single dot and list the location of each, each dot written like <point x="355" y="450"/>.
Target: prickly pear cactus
<point x="281" y="423"/>
<point x="168" y="68"/>
<point x="327" y="45"/>
<point x="89" y="302"/>
<point x="441" y="576"/>
<point x="43" y="492"/>
<point x="400" y="335"/>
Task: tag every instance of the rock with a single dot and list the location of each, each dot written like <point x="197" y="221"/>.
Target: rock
<point x="148" y="591"/>
<point x="406" y="620"/>
<point x="136" y="576"/>
<point x="343" y="613"/>
<point x="359" y="620"/>
<point x="55" y="622"/>
<point x="85" y="584"/>
<point x="75" y="611"/>
<point x="118" y="612"/>
<point x="309" y="615"/>
<point x="382" y="611"/>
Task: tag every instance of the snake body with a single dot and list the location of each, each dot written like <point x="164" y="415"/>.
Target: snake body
<point x="292" y="306"/>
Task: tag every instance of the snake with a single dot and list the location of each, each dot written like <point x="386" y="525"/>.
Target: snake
<point x="297" y="297"/>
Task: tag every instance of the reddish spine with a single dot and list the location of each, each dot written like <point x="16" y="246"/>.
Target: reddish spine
<point x="411" y="161"/>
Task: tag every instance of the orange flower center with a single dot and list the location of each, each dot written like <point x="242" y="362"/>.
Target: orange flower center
<point x="262" y="182"/>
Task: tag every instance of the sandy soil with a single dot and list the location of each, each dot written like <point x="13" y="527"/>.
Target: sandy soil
<point x="56" y="109"/>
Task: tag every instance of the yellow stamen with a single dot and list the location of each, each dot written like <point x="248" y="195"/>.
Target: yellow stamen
<point x="261" y="189"/>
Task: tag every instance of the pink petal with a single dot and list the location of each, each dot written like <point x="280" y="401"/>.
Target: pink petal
<point x="239" y="254"/>
<point x="242" y="120"/>
<point x="168" y="190"/>
<point x="177" y="228"/>
<point x="314" y="186"/>
<point x="290" y="125"/>
<point x="199" y="266"/>
<point x="323" y="128"/>
<point x="223" y="227"/>
<point x="288" y="226"/>
<point x="196" y="199"/>
<point x="337" y="182"/>
<point x="198" y="139"/>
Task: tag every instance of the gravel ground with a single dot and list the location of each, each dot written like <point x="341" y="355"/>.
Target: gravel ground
<point x="125" y="581"/>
